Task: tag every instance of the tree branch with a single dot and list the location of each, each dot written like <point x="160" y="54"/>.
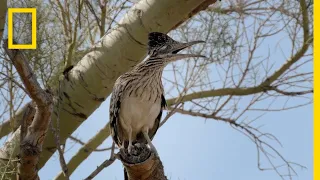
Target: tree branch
<point x="86" y="150"/>
<point x="291" y="93"/>
<point x="142" y="164"/>
<point x="84" y="144"/>
<point x="31" y="145"/>
<point x="105" y="164"/>
<point x="263" y="87"/>
<point x="13" y="124"/>
<point x="259" y="138"/>
<point x="3" y="13"/>
<point x="204" y="5"/>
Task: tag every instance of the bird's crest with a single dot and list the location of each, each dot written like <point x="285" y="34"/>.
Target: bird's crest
<point x="158" y="41"/>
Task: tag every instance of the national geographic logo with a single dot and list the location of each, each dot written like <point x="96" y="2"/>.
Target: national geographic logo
<point x="33" y="44"/>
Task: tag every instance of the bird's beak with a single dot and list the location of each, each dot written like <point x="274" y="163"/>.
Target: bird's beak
<point x="180" y="46"/>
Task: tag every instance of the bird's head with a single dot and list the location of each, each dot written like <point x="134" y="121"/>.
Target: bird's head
<point x="162" y="46"/>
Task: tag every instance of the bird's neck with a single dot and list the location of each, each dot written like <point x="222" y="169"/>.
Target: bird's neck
<point x="151" y="68"/>
<point x="146" y="80"/>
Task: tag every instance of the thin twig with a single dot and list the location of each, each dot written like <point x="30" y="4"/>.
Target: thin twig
<point x="83" y="143"/>
<point x="105" y="164"/>
<point x="56" y="132"/>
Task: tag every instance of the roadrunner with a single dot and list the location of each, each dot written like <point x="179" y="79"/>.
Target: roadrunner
<point x="137" y="98"/>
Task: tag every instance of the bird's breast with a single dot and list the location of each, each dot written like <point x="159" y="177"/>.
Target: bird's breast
<point x="145" y="88"/>
<point x="138" y="113"/>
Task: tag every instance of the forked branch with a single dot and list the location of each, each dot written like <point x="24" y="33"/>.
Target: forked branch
<point x="31" y="143"/>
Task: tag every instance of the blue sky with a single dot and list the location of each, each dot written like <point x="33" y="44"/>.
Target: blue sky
<point x="193" y="148"/>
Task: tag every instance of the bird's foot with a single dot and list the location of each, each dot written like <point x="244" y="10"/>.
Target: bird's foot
<point x="153" y="149"/>
<point x="146" y="136"/>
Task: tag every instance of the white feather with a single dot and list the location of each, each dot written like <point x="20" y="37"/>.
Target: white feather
<point x="138" y="113"/>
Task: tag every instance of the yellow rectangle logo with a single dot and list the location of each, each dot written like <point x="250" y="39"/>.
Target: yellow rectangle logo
<point x="33" y="44"/>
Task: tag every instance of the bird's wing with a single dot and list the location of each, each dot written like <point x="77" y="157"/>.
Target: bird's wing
<point x="154" y="129"/>
<point x="115" y="104"/>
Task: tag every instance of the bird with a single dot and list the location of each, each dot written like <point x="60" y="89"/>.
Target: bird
<point x="137" y="99"/>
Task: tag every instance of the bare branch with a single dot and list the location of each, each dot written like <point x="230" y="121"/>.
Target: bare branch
<point x="264" y="86"/>
<point x="86" y="150"/>
<point x="3" y="13"/>
<point x="83" y="144"/>
<point x="292" y="93"/>
<point x="31" y="145"/>
<point x="105" y="164"/>
<point x="5" y="127"/>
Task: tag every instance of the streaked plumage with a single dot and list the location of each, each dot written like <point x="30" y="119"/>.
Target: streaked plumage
<point x="137" y="99"/>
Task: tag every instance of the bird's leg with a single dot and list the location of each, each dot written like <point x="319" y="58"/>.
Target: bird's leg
<point x="127" y="128"/>
<point x="122" y="146"/>
<point x="130" y="146"/>
<point x="146" y="136"/>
